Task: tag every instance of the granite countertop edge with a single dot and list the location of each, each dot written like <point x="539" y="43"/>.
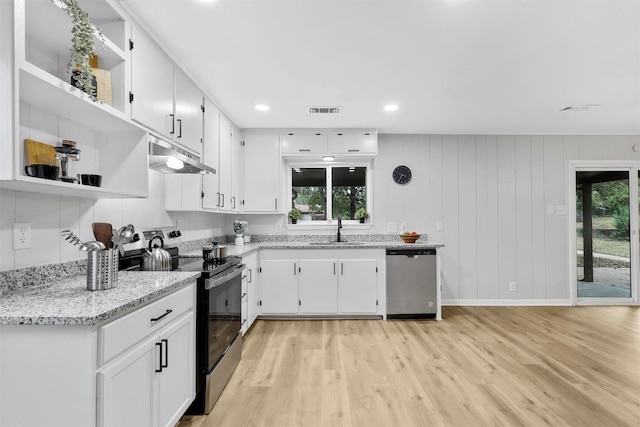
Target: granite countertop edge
<point x="68" y="302"/>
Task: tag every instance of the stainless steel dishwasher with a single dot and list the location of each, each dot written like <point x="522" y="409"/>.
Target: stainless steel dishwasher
<point x="411" y="283"/>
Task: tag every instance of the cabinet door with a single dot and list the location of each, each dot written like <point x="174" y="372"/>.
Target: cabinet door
<point x="151" y="85"/>
<point x="189" y="114"/>
<point x="353" y="143"/>
<point x="279" y="287"/>
<point x="357" y="286"/>
<point x="210" y="155"/>
<point x="125" y="396"/>
<point x="301" y="144"/>
<point x="183" y="192"/>
<point x="176" y="381"/>
<point x="237" y="161"/>
<point x="225" y="165"/>
<point x="253" y="293"/>
<point x="262" y="173"/>
<point x="318" y="286"/>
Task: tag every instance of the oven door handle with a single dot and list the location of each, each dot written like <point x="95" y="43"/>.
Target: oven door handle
<point x="214" y="283"/>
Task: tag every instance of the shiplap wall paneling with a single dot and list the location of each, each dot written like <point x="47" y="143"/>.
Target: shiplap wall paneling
<point x="450" y="213"/>
<point x="538" y="218"/>
<point x="468" y="208"/>
<point x="7" y="218"/>
<point x="435" y="192"/>
<point x="555" y="231"/>
<point x="416" y="151"/>
<point x="491" y="246"/>
<point x="524" y="218"/>
<point x="482" y="217"/>
<point x="507" y="227"/>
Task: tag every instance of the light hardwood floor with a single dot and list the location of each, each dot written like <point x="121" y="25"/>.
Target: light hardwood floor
<point x="480" y="366"/>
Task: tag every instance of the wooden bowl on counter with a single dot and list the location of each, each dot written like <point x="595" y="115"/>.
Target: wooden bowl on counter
<point x="410" y="238"/>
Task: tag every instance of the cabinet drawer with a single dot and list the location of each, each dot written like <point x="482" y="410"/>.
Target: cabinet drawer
<point x="124" y="332"/>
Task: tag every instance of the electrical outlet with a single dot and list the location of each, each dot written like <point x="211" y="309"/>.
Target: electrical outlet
<point x="439" y="226"/>
<point x="560" y="210"/>
<point x="403" y="227"/>
<point x="278" y="227"/>
<point x="21" y="235"/>
<point x="512" y="286"/>
<point x="392" y="227"/>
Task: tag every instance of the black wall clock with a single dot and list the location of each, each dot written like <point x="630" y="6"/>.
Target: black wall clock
<point x="402" y="174"/>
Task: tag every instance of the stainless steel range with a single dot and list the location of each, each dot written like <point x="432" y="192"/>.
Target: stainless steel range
<point x="218" y="321"/>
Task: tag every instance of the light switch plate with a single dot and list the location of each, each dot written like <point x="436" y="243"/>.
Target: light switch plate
<point x="439" y="226"/>
<point x="392" y="227"/>
<point x="403" y="227"/>
<point x="551" y="210"/>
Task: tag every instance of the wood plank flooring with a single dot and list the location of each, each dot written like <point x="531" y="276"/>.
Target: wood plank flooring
<point x="480" y="366"/>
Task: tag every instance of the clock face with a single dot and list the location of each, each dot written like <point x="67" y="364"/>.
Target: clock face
<point x="402" y="174"/>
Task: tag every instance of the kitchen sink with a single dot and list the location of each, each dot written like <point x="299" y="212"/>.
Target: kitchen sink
<point x="335" y="243"/>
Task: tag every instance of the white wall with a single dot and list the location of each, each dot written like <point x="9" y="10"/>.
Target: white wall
<point x="49" y="215"/>
<point x="492" y="194"/>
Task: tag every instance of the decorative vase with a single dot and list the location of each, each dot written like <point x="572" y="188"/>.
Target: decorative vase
<point x="294" y="221"/>
<point x="362" y="220"/>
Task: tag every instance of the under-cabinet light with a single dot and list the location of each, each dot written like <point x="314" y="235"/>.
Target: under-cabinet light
<point x="174" y="163"/>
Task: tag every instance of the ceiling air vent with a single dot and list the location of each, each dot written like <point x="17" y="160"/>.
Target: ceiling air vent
<point x="325" y="110"/>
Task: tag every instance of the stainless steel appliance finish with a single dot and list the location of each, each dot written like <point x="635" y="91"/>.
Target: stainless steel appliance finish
<point x="411" y="283"/>
<point x="160" y="151"/>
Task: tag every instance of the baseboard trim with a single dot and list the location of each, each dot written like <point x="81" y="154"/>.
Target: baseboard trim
<point x="507" y="302"/>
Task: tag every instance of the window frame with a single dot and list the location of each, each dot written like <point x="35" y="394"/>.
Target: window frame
<point x="330" y="223"/>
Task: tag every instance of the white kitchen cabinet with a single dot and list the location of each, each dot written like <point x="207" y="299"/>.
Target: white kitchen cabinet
<point x="42" y="104"/>
<point x="237" y="175"/>
<point x="353" y="142"/>
<point x="279" y="287"/>
<point x="189" y="109"/>
<point x="355" y="293"/>
<point x="211" y="155"/>
<point x="163" y="98"/>
<point x="300" y="143"/>
<point x="226" y="165"/>
<point x="102" y="375"/>
<point x="250" y="291"/>
<point x="183" y="192"/>
<point x="323" y="282"/>
<point x="152" y="80"/>
<point x="318" y="286"/>
<point x="261" y="173"/>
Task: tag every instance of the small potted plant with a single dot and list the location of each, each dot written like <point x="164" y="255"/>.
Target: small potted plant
<point x="294" y="215"/>
<point x="362" y="215"/>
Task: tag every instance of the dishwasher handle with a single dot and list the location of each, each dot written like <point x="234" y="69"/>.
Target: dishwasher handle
<point x="411" y="253"/>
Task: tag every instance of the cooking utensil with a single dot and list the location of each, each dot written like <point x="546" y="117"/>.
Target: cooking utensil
<point x="92" y="245"/>
<point x="214" y="252"/>
<point x="156" y="258"/>
<point x="40" y="153"/>
<point x="102" y="232"/>
<point x="71" y="237"/>
<point x="123" y="236"/>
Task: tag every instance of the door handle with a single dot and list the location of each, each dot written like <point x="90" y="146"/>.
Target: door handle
<point x="173" y="124"/>
<point x="180" y="131"/>
<point x="160" y="353"/>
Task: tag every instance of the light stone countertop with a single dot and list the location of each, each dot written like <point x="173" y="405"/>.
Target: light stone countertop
<point x="68" y="302"/>
<point x="248" y="248"/>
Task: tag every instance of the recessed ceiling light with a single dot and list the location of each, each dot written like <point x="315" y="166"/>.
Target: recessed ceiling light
<point x="391" y="107"/>
<point x="585" y="107"/>
<point x="262" y="107"/>
<point x="328" y="158"/>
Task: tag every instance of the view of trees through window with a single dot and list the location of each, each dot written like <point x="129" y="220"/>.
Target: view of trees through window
<point x="311" y="187"/>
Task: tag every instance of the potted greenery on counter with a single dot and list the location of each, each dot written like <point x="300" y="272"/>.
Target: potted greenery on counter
<point x="294" y="215"/>
<point x="362" y="215"/>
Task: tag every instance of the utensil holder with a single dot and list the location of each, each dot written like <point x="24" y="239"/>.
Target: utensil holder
<point x="102" y="269"/>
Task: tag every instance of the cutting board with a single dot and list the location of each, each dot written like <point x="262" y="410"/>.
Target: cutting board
<point x="39" y="153"/>
<point x="103" y="80"/>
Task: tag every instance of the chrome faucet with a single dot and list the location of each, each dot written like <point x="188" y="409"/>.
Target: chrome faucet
<point x="339" y="227"/>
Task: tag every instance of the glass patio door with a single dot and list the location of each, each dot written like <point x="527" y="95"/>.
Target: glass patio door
<point x="606" y="256"/>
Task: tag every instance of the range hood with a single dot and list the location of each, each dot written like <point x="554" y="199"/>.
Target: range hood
<point x="168" y="158"/>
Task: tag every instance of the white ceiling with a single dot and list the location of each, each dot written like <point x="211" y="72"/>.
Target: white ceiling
<point x="452" y="66"/>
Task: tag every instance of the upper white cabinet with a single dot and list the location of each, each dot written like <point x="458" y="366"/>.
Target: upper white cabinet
<point x="353" y="142"/>
<point x="297" y="143"/>
<point x="338" y="142"/>
<point x="39" y="102"/>
<point x="261" y="173"/>
<point x="211" y="155"/>
<point x="163" y="98"/>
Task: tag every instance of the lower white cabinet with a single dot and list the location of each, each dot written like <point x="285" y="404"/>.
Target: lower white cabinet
<point x="321" y="282"/>
<point x="153" y="382"/>
<point x="132" y="371"/>
<point x="251" y="297"/>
